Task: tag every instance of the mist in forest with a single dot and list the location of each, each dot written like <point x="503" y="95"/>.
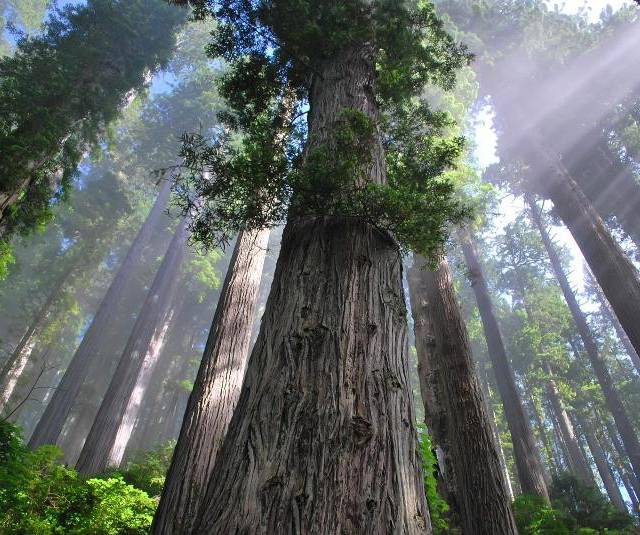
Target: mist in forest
<point x="319" y="267"/>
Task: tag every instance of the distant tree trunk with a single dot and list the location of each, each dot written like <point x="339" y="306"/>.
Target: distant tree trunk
<point x="102" y="449"/>
<point x="16" y="363"/>
<point x="614" y="404"/>
<point x="612" y="433"/>
<point x="610" y="484"/>
<point x="484" y="383"/>
<point x="455" y="409"/>
<point x="97" y="336"/>
<point x="578" y="463"/>
<point x="615" y="273"/>
<point x="132" y="410"/>
<point x="216" y="390"/>
<point x="527" y="457"/>
<point x="554" y="462"/>
<point x="622" y="336"/>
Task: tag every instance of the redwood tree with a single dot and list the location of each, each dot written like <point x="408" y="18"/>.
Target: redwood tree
<point x="107" y="439"/>
<point x="527" y="457"/>
<point x="322" y="439"/>
<point x="55" y="415"/>
<point x="456" y="411"/>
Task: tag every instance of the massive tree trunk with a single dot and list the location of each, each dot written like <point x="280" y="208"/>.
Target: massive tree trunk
<point x="602" y="464"/>
<point x="96" y="339"/>
<point x="455" y="410"/>
<point x="102" y="449"/>
<point x="216" y="390"/>
<point x="527" y="456"/>
<point x="322" y="440"/>
<point x="16" y="363"/>
<point x="615" y="273"/>
<point x="577" y="461"/>
<point x="614" y="404"/>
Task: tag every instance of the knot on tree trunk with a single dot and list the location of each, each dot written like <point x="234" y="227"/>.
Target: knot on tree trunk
<point x="362" y="431"/>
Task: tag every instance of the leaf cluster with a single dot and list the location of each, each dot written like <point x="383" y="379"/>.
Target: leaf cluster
<point x="276" y="52"/>
<point x="41" y="496"/>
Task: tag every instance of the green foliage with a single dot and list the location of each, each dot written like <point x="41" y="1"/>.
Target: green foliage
<point x="576" y="508"/>
<point x="275" y="51"/>
<point x="535" y="517"/>
<point x="60" y="90"/>
<point x="6" y="258"/>
<point x="587" y="506"/>
<point x="148" y="471"/>
<point x="41" y="496"/>
<point x="438" y="507"/>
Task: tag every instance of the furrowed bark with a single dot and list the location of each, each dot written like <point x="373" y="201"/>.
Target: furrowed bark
<point x="322" y="440"/>
<point x="528" y="463"/>
<point x="456" y="411"/>
<point x="614" y="404"/>
<point x="139" y="356"/>
<point x="96" y="338"/>
<point x="216" y="389"/>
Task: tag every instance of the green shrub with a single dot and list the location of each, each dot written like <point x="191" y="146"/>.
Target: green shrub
<point x="438" y="507"/>
<point x="148" y="471"/>
<point x="575" y="508"/>
<point x="41" y="496"/>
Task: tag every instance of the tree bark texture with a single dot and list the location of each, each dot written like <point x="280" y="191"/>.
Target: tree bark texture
<point x="139" y="357"/>
<point x="216" y="389"/>
<point x="456" y="412"/>
<point x="323" y="438"/>
<point x="96" y="338"/>
<point x="614" y="404"/>
<point x="527" y="456"/>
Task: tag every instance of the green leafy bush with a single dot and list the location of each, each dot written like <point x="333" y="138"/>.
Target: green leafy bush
<point x="41" y="496"/>
<point x="147" y="472"/>
<point x="438" y="507"/>
<point x="575" y="508"/>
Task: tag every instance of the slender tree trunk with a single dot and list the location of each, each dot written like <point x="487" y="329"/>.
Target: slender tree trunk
<point x="101" y="448"/>
<point x="614" y="404"/>
<point x="578" y="463"/>
<point x="488" y="396"/>
<point x="96" y="339"/>
<point x="527" y="457"/>
<point x="132" y="410"/>
<point x="610" y="484"/>
<point x="216" y="389"/>
<point x="554" y="461"/>
<point x="16" y="363"/>
<point x="615" y="273"/>
<point x="455" y="409"/>
<point x="323" y="439"/>
<point x="612" y="433"/>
